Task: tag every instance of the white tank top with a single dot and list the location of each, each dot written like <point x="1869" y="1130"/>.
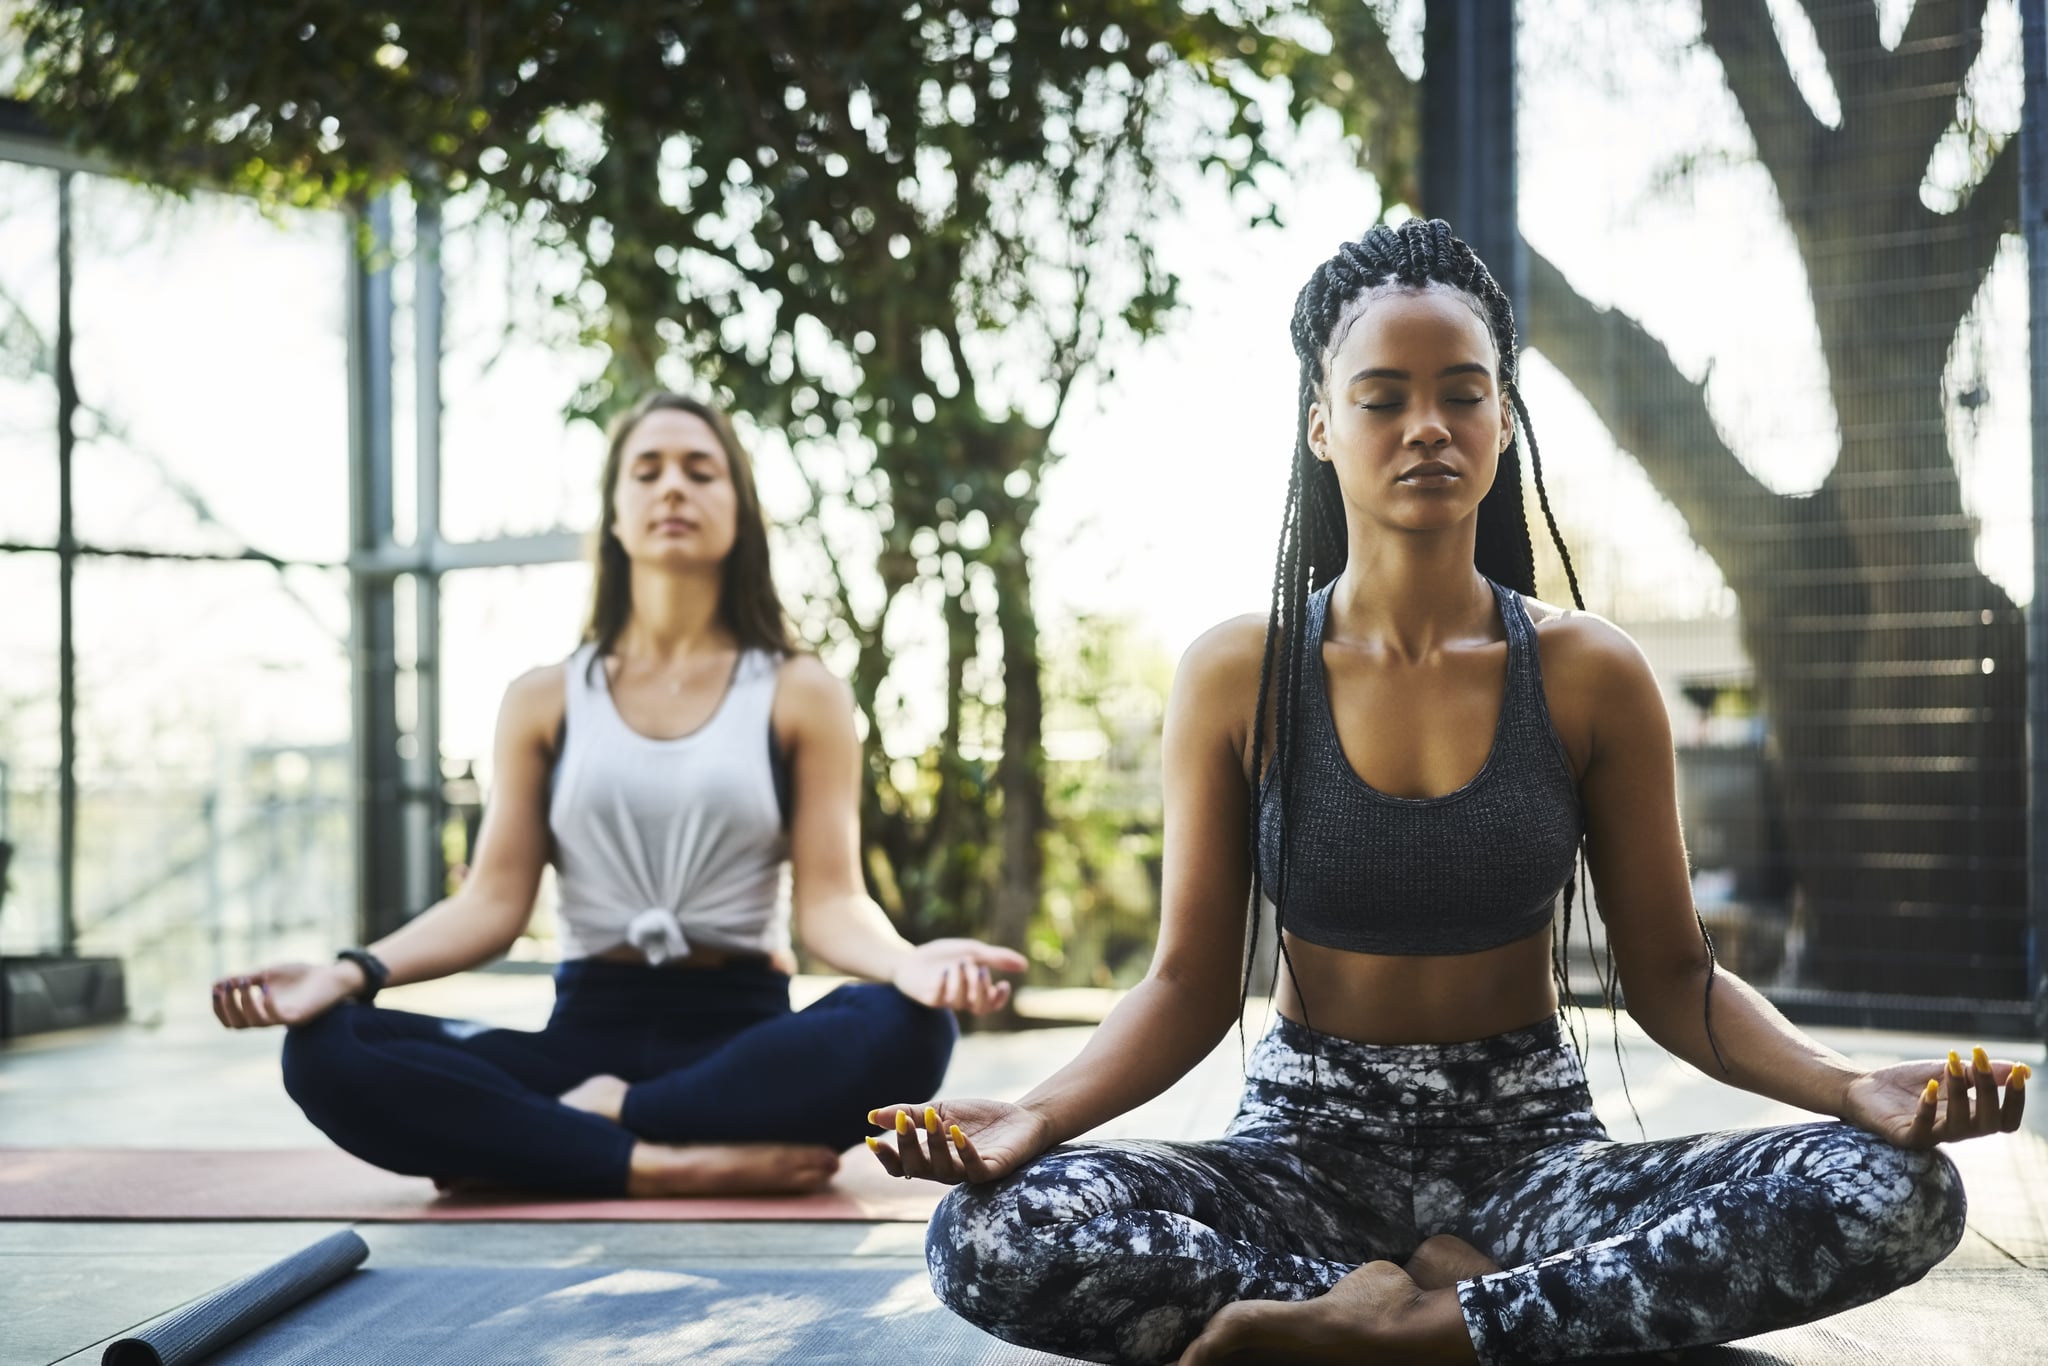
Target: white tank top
<point x="669" y="845"/>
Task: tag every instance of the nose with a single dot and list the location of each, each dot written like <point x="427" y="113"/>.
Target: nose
<point x="671" y="479"/>
<point x="1428" y="430"/>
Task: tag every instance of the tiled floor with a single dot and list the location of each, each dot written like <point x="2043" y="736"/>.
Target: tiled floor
<point x="187" y="1083"/>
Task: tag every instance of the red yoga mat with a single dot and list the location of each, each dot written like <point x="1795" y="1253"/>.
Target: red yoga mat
<point x="168" y="1184"/>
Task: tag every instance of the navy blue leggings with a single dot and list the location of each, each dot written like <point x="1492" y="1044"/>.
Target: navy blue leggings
<point x="712" y="1056"/>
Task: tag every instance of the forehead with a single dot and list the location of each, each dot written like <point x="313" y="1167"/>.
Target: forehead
<point x="1438" y="323"/>
<point x="668" y="431"/>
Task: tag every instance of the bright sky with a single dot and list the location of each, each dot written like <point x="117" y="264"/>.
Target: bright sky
<point x="216" y="338"/>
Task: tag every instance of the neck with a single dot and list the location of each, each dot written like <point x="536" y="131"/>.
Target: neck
<point x="675" y="614"/>
<point x="1410" y="591"/>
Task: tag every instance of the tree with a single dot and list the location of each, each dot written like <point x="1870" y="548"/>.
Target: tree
<point x="898" y="234"/>
<point x="1899" y="752"/>
<point x="1892" y="669"/>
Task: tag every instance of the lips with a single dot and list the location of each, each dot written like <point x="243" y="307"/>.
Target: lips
<point x="1429" y="471"/>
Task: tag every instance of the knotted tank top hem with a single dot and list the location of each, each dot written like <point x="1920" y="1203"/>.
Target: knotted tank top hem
<point x="669" y="844"/>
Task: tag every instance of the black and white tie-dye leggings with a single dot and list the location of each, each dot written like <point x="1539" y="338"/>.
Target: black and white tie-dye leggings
<point x="1121" y="1251"/>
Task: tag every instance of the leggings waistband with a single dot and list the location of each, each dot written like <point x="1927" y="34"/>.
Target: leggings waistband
<point x="1526" y="1074"/>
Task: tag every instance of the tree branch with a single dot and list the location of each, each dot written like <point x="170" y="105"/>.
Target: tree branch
<point x="1790" y="141"/>
<point x="1986" y="217"/>
<point x="1924" y="75"/>
<point x="1849" y="43"/>
<point x="1653" y="411"/>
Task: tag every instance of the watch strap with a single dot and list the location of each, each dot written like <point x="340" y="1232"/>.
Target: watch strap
<point x="375" y="974"/>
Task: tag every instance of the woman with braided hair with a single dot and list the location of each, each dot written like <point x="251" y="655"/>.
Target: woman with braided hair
<point x="1408" y="754"/>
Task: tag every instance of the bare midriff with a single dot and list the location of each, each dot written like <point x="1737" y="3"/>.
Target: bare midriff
<point x="1395" y="998"/>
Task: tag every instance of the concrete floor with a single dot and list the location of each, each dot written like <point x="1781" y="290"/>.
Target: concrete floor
<point x="184" y="1082"/>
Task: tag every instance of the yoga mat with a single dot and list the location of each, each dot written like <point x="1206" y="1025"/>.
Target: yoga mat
<point x="582" y="1316"/>
<point x="190" y="1332"/>
<point x="327" y="1184"/>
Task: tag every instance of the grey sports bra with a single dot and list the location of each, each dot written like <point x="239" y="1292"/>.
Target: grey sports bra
<point x="1471" y="870"/>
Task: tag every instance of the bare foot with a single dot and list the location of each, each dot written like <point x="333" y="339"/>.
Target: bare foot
<point x="1444" y="1260"/>
<point x="729" y="1168"/>
<point x="601" y="1095"/>
<point x="1377" y="1313"/>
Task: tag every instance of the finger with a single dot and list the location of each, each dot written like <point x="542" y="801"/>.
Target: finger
<point x="978" y="988"/>
<point x="262" y="1007"/>
<point x="909" y="1151"/>
<point x="231" y="1004"/>
<point x="1987" y="1116"/>
<point x="1001" y="996"/>
<point x="945" y="1166"/>
<point x="956" y="986"/>
<point x="1001" y="960"/>
<point x="1922" y="1133"/>
<point x="972" y="1164"/>
<point x="885" y="1155"/>
<point x="220" y="1008"/>
<point x="1956" y="1123"/>
<point x="2015" y="1097"/>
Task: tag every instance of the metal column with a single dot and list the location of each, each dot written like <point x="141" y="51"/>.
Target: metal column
<point x="425" y="869"/>
<point x="2034" y="224"/>
<point x="1468" y="132"/>
<point x="379" y="773"/>
<point x="67" y="567"/>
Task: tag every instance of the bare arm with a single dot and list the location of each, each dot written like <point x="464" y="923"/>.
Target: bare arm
<point x="472" y="927"/>
<point x="1189" y="998"/>
<point x="835" y="917"/>
<point x="1637" y="857"/>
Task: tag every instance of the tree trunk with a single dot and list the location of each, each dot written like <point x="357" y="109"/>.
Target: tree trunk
<point x="1021" y="778"/>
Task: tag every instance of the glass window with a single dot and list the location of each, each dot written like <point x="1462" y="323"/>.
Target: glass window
<point x="511" y="463"/>
<point x="211" y="359"/>
<point x="213" y="771"/>
<point x="28" y="336"/>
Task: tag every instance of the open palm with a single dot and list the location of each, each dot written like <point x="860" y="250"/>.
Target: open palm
<point x="1919" y="1104"/>
<point x="957" y="1140"/>
<point x="287" y="994"/>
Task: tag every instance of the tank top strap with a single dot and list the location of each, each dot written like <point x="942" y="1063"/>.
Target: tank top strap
<point x="581" y="680"/>
<point x="750" y="700"/>
<point x="1525" y="681"/>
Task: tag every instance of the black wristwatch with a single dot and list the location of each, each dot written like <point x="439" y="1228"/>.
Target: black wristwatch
<point x="375" y="974"/>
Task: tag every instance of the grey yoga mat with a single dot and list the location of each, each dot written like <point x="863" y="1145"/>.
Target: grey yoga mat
<point x="794" y="1316"/>
<point x="191" y="1332"/>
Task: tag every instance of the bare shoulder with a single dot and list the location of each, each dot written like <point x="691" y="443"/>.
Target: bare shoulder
<point x="1593" y="671"/>
<point x="535" y="703"/>
<point x="811" y="701"/>
<point x="1216" y="686"/>
<point x="803" y="680"/>
<point x="1225" y="660"/>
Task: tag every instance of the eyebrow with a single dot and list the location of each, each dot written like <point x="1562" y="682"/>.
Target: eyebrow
<point x="1470" y="367"/>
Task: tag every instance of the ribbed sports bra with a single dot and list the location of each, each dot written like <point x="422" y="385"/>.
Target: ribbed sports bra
<point x="1471" y="870"/>
<point x="669" y="844"/>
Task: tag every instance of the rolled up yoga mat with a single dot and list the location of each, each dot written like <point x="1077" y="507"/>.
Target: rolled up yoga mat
<point x="192" y="1332"/>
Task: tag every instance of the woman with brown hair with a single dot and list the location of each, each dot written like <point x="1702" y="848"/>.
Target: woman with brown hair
<point x="670" y="769"/>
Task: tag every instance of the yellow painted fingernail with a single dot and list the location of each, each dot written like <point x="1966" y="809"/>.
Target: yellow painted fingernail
<point x="931" y="1120"/>
<point x="902" y="1122"/>
<point x="874" y="1118"/>
<point x="959" y="1139"/>
<point x="874" y="1144"/>
<point x="1933" y="1090"/>
<point x="1955" y="1064"/>
<point x="1980" y="1060"/>
<point x="2020" y="1073"/>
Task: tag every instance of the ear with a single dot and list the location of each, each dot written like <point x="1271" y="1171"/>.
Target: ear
<point x="1507" y="426"/>
<point x="1319" y="431"/>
